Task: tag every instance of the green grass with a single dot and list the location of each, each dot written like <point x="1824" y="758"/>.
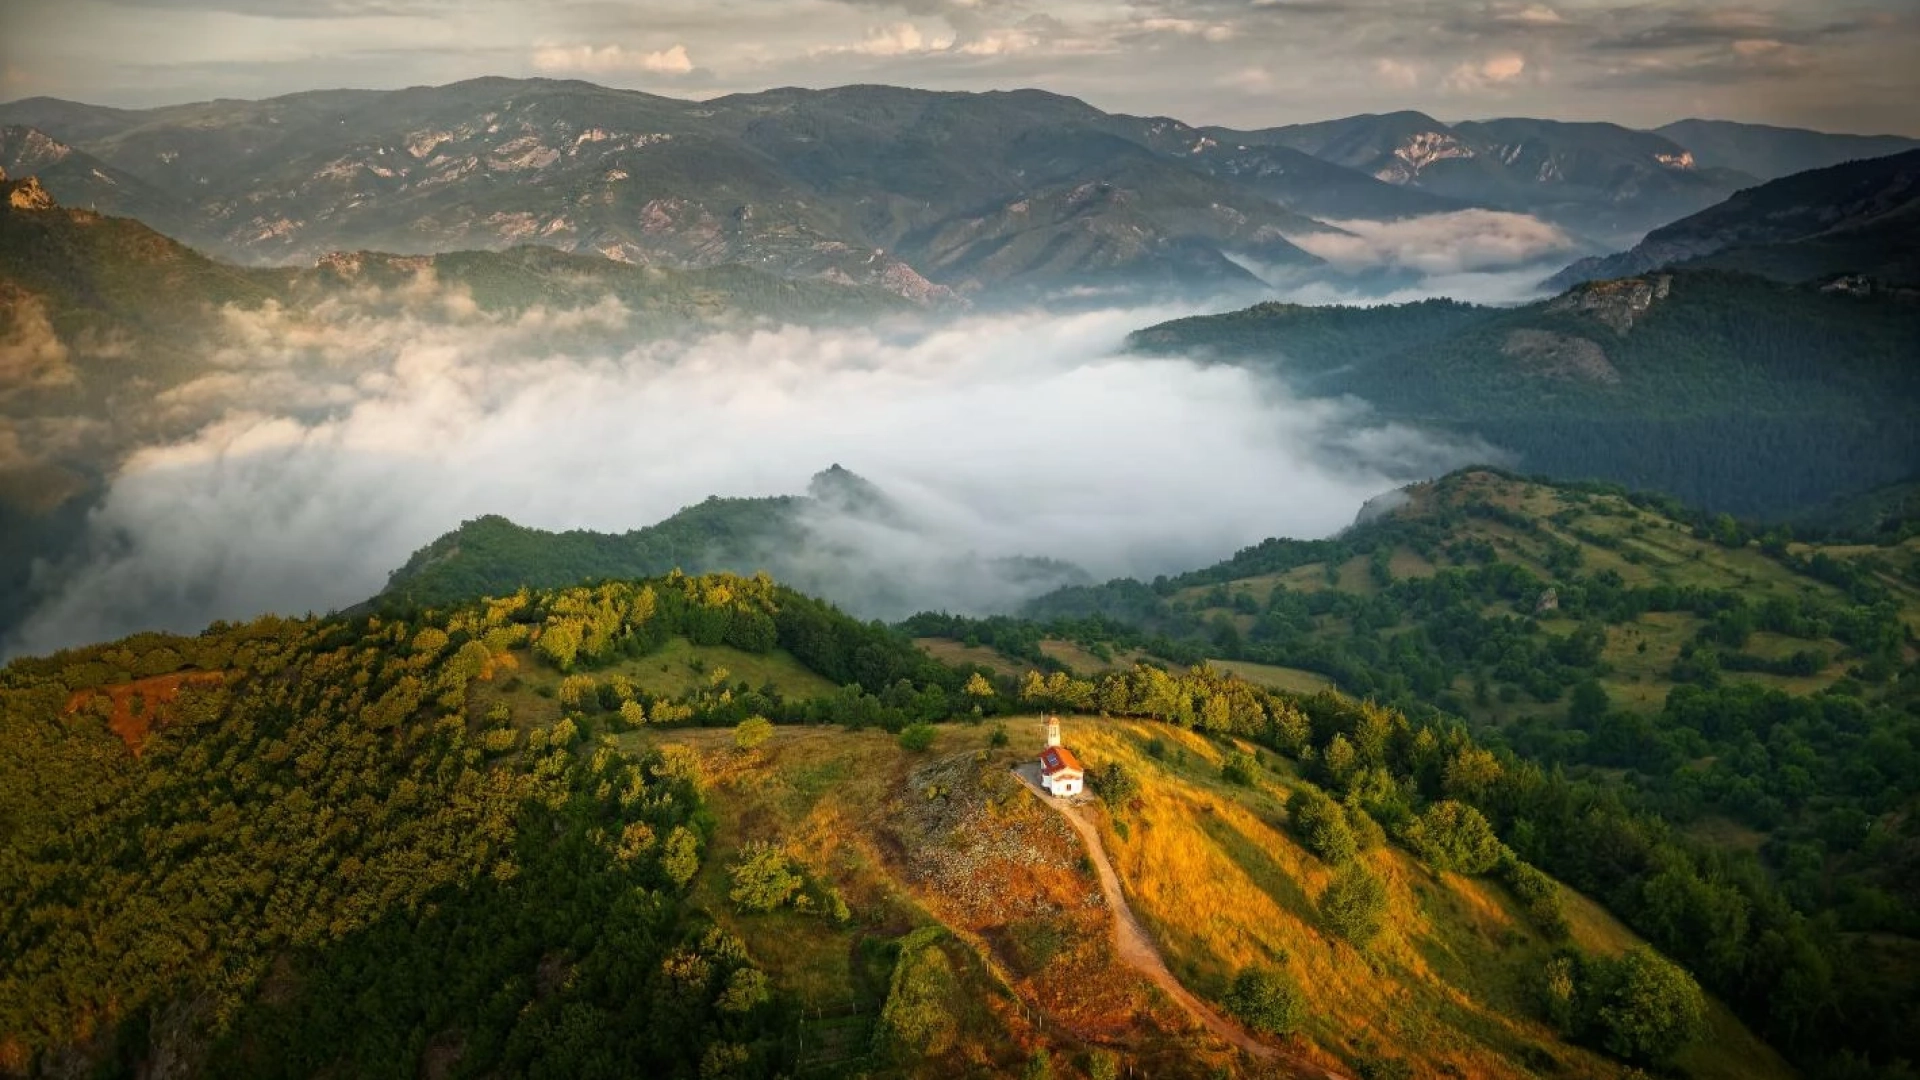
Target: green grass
<point x="1273" y="675"/>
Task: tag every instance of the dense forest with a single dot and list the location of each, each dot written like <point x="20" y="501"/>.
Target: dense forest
<point x="300" y="846"/>
<point x="1729" y="392"/>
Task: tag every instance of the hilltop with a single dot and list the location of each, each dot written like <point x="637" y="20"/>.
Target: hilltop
<point x="555" y="832"/>
<point x="1724" y="390"/>
<point x="838" y="540"/>
<point x="1752" y="692"/>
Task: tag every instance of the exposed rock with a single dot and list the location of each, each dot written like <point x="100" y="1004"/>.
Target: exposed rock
<point x="28" y="195"/>
<point x="1549" y="601"/>
<point x="1618" y="304"/>
<point x="1560" y="356"/>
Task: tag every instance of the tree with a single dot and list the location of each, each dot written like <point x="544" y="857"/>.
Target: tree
<point x="978" y="688"/>
<point x="1267" y="1000"/>
<point x="1649" y="1008"/>
<point x="680" y="856"/>
<point x="1454" y="836"/>
<point x="917" y="737"/>
<point x="762" y="878"/>
<point x="1355" y="904"/>
<point x="998" y="737"/>
<point x="1115" y="784"/>
<point x="1322" y="825"/>
<point x="752" y="731"/>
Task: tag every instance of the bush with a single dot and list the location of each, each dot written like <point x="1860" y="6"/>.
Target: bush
<point x="1355" y="905"/>
<point x="1322" y="825"/>
<point x="1648" y="1007"/>
<point x="1540" y="895"/>
<point x="762" y="878"/>
<point x="1454" y="836"/>
<point x="1115" y="785"/>
<point x="917" y="737"/>
<point x="1267" y="1000"/>
<point x="1103" y="1065"/>
<point x="998" y="737"/>
<point x="1239" y="768"/>
<point x="752" y="731"/>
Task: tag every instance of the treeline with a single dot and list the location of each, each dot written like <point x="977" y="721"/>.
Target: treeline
<point x="1818" y="995"/>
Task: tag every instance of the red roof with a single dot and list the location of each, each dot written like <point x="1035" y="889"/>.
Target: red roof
<point x="1055" y="758"/>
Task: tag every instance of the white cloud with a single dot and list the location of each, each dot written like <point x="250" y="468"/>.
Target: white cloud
<point x="610" y="59"/>
<point x="1494" y="71"/>
<point x="898" y="39"/>
<point x="1000" y="435"/>
<point x="1461" y="241"/>
<point x="1396" y="73"/>
<point x="1214" y="32"/>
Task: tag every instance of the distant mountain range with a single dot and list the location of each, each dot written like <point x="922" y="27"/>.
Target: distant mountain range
<point x="908" y="190"/>
<point x="1858" y="218"/>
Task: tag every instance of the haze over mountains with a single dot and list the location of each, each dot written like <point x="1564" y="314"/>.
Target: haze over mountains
<point x="638" y="243"/>
<point x="914" y="191"/>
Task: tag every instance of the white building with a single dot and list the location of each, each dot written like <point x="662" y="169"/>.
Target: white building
<point x="1060" y="772"/>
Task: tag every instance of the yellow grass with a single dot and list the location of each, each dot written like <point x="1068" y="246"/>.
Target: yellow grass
<point x="1222" y="885"/>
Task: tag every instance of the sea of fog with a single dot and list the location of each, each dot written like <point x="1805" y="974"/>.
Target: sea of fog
<point x="348" y="441"/>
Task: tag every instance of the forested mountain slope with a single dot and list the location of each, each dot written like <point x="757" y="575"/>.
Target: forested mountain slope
<point x="1727" y="391"/>
<point x="1754" y="699"/>
<point x="805" y="540"/>
<point x="1858" y="218"/>
<point x="555" y="834"/>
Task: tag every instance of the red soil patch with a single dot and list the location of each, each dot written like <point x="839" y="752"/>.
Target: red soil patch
<point x="134" y="709"/>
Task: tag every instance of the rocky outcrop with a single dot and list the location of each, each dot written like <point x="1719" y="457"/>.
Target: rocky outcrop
<point x="28" y="195"/>
<point x="1617" y="304"/>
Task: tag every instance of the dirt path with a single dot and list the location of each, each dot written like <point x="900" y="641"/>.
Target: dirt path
<point x="1139" y="951"/>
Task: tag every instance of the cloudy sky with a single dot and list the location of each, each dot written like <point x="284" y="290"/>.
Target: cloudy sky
<point x="1839" y="65"/>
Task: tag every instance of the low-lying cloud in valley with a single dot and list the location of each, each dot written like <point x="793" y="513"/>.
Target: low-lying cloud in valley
<point x="1478" y="256"/>
<point x="351" y="440"/>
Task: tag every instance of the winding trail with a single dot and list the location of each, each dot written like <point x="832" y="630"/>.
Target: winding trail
<point x="1139" y="951"/>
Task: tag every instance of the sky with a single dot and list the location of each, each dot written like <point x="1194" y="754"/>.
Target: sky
<point x="1845" y="65"/>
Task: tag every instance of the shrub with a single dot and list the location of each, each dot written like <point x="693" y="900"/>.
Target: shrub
<point x="1322" y="825"/>
<point x="762" y="878"/>
<point x="1454" y="836"/>
<point x="1648" y="1007"/>
<point x="752" y="731"/>
<point x="1267" y="1000"/>
<point x="918" y="736"/>
<point x="998" y="737"/>
<point x="1239" y="768"/>
<point x="1103" y="1065"/>
<point x="1115" y="785"/>
<point x="1156" y="747"/>
<point x="1355" y="904"/>
<point x="1540" y="895"/>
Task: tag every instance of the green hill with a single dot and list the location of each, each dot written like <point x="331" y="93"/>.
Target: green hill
<point x="1726" y="391"/>
<point x="550" y="834"/>
<point x="1752" y="694"/>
